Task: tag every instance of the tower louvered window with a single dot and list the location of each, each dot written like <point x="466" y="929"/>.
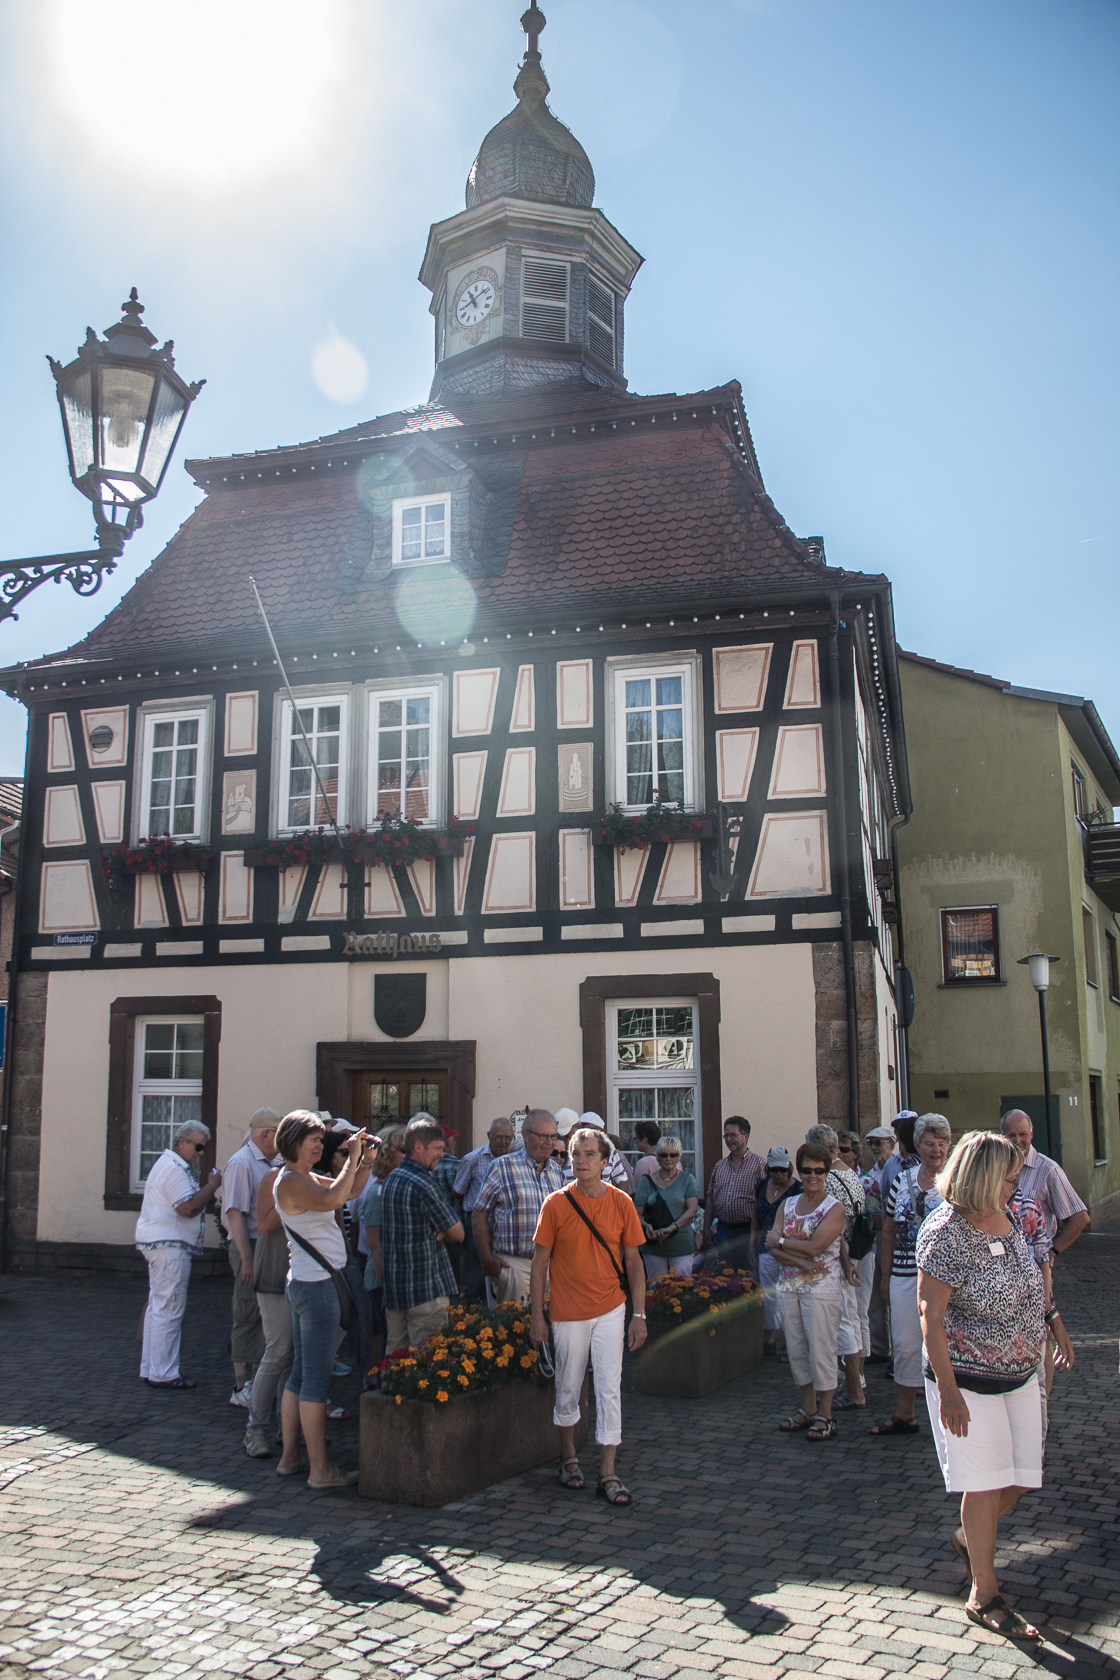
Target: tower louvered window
<point x="544" y="300"/>
<point x="600" y="336"/>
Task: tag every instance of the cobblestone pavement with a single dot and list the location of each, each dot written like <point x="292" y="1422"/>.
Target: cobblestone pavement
<point x="138" y="1539"/>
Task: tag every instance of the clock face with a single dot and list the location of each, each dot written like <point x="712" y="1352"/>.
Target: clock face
<point x="475" y="303"/>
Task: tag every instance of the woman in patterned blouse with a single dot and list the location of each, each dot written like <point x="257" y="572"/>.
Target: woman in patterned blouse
<point x="981" y="1298"/>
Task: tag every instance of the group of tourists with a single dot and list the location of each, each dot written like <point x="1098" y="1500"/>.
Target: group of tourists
<point x="934" y="1259"/>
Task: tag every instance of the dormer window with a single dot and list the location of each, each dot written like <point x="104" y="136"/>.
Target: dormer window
<point x="544" y="300"/>
<point x="421" y="530"/>
<point x="600" y="321"/>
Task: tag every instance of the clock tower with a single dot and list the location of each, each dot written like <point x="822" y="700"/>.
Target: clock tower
<point x="530" y="281"/>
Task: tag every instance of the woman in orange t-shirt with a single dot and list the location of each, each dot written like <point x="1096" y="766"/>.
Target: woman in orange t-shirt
<point x="580" y="1232"/>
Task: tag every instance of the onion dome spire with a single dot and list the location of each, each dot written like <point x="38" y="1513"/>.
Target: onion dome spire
<point x="530" y="154"/>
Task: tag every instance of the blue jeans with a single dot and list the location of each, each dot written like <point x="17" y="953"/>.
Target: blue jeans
<point x="315" y="1325"/>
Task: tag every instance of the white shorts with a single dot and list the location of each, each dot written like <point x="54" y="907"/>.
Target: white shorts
<point x="1003" y="1447"/>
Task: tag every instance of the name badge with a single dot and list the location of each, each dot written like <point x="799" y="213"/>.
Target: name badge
<point x="995" y="1248"/>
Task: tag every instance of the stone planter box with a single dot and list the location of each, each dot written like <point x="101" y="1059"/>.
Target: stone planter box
<point x="694" y="1358"/>
<point x="420" y="1454"/>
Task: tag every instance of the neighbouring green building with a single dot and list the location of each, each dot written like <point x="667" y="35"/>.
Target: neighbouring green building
<point x="1013" y="848"/>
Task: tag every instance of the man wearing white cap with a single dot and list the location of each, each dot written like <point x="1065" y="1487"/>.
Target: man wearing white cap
<point x="615" y="1171"/>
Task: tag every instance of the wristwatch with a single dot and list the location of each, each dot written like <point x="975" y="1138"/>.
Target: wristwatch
<point x="637" y="1315"/>
<point x="781" y="1242"/>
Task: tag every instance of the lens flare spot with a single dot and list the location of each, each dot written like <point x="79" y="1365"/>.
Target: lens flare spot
<point x="435" y="604"/>
<point x="339" y="369"/>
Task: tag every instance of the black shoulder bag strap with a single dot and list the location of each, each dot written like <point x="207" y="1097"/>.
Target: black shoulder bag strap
<point x="623" y="1280"/>
<point x="338" y="1278"/>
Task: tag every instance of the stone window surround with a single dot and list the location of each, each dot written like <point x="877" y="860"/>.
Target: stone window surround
<point x="123" y="1015"/>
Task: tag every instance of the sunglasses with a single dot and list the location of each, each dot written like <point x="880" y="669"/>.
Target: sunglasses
<point x="778" y="1170"/>
<point x="668" y="1154"/>
<point x="813" y="1172"/>
<point x="559" y="1154"/>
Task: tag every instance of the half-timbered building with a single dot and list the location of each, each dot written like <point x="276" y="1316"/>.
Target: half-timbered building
<point x="531" y="599"/>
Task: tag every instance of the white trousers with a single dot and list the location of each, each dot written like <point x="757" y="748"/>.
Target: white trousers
<point x="513" y="1285"/>
<point x="768" y="1274"/>
<point x="601" y="1339"/>
<point x="866" y="1270"/>
<point x="169" y="1271"/>
<point x="1003" y="1447"/>
<point x="657" y="1264"/>
<point x="906" y="1333"/>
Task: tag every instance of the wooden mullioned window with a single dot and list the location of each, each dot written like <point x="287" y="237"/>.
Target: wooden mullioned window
<point x="163" y="1070"/>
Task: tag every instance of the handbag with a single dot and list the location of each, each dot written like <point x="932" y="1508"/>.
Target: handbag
<point x="862" y="1238"/>
<point x="620" y="1272"/>
<point x="338" y="1278"/>
<point x="657" y="1211"/>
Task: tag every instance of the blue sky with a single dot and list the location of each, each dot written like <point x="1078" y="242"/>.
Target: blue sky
<point x="895" y="221"/>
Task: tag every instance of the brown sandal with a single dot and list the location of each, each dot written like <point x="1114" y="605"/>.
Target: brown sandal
<point x="998" y="1617"/>
<point x="611" y="1489"/>
<point x="897" y="1426"/>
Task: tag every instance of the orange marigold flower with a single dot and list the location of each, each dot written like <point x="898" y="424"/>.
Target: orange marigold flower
<point x="713" y="1308"/>
<point x="443" y="1373"/>
<point x="525" y="1362"/>
<point x="440" y="1395"/>
<point x="423" y="1383"/>
<point x="468" y="1365"/>
<point x="398" y="1399"/>
<point x="465" y="1381"/>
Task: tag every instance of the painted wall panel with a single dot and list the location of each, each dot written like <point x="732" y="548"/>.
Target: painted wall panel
<point x="108" y="805"/>
<point x="798" y="763"/>
<point x="518" y="794"/>
<point x="381" y="896"/>
<point x="679" y="882"/>
<point x="236" y="889"/>
<point x="291" y="885"/>
<point x="241" y="724"/>
<point x="475" y="693"/>
<point x="462" y="874"/>
<point x="629" y="872"/>
<point x="468" y="771"/>
<point x="576" y="775"/>
<point x="115" y="752"/>
<point x="524" y="718"/>
<point x="62" y="818"/>
<point x="577" y="869"/>
<point x="736" y="751"/>
<point x="511" y="876"/>
<point x="190" y="885"/>
<point x="239" y="802"/>
<point x="423" y="878"/>
<point x="329" y="903"/>
<point x="792" y="857"/>
<point x="66" y="899"/>
<point x="575" y="704"/>
<point x="740" y="676"/>
<point x="60" y="747"/>
<point x="803" y="686"/>
<point x="149" y="910"/>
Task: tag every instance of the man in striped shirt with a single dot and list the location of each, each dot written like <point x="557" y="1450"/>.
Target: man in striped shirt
<point x="1043" y="1181"/>
<point x="732" y="1192"/>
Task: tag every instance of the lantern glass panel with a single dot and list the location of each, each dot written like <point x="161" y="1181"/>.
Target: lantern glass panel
<point x="126" y="394"/>
<point x="77" y="404"/>
<point x="165" y="424"/>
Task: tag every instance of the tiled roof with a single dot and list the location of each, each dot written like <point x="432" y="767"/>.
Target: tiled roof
<point x="623" y="516"/>
<point x="955" y="670"/>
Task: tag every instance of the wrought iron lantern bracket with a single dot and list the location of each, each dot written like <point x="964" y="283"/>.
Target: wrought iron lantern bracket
<point x="730" y="827"/>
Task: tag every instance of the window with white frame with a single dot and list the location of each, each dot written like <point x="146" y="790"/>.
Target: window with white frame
<point x="167" y="1087"/>
<point x="421" y="530"/>
<point x="402" y="741"/>
<point x="652" y="1074"/>
<point x="173" y="775"/>
<point x="302" y="802"/>
<point x="544" y="300"/>
<point x="654" y="735"/>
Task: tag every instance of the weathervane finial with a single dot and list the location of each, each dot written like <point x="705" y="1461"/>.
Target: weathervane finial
<point x="532" y="22"/>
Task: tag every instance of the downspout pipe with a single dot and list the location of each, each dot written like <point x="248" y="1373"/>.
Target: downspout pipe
<point x="903" y="1032"/>
<point x="839" y="776"/>
<point x="10" y="1021"/>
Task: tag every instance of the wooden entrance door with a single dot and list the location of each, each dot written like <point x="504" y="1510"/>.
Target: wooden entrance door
<point x="398" y="1094"/>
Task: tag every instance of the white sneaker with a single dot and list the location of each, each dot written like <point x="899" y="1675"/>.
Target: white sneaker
<point x="243" y="1396"/>
<point x="256" y="1444"/>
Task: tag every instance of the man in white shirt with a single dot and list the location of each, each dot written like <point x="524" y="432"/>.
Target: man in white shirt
<point x="616" y="1171"/>
<point x="168" y="1234"/>
<point x="242" y="1178"/>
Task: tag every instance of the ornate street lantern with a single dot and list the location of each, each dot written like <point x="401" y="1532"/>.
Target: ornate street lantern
<point x="123" y="406"/>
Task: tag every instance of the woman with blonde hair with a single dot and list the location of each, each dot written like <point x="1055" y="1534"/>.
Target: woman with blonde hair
<point x="980" y="1294"/>
<point x="911" y="1200"/>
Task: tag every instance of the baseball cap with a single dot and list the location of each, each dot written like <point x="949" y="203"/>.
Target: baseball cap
<point x="778" y="1157"/>
<point x="881" y="1132"/>
<point x="566" y="1118"/>
<point x="448" y="1133"/>
<point x="593" y="1119"/>
<point x="338" y="1125"/>
<point x="907" y="1114"/>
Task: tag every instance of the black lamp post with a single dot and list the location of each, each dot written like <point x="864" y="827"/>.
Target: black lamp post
<point x="123" y="407"/>
<point x="1039" y="965"/>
